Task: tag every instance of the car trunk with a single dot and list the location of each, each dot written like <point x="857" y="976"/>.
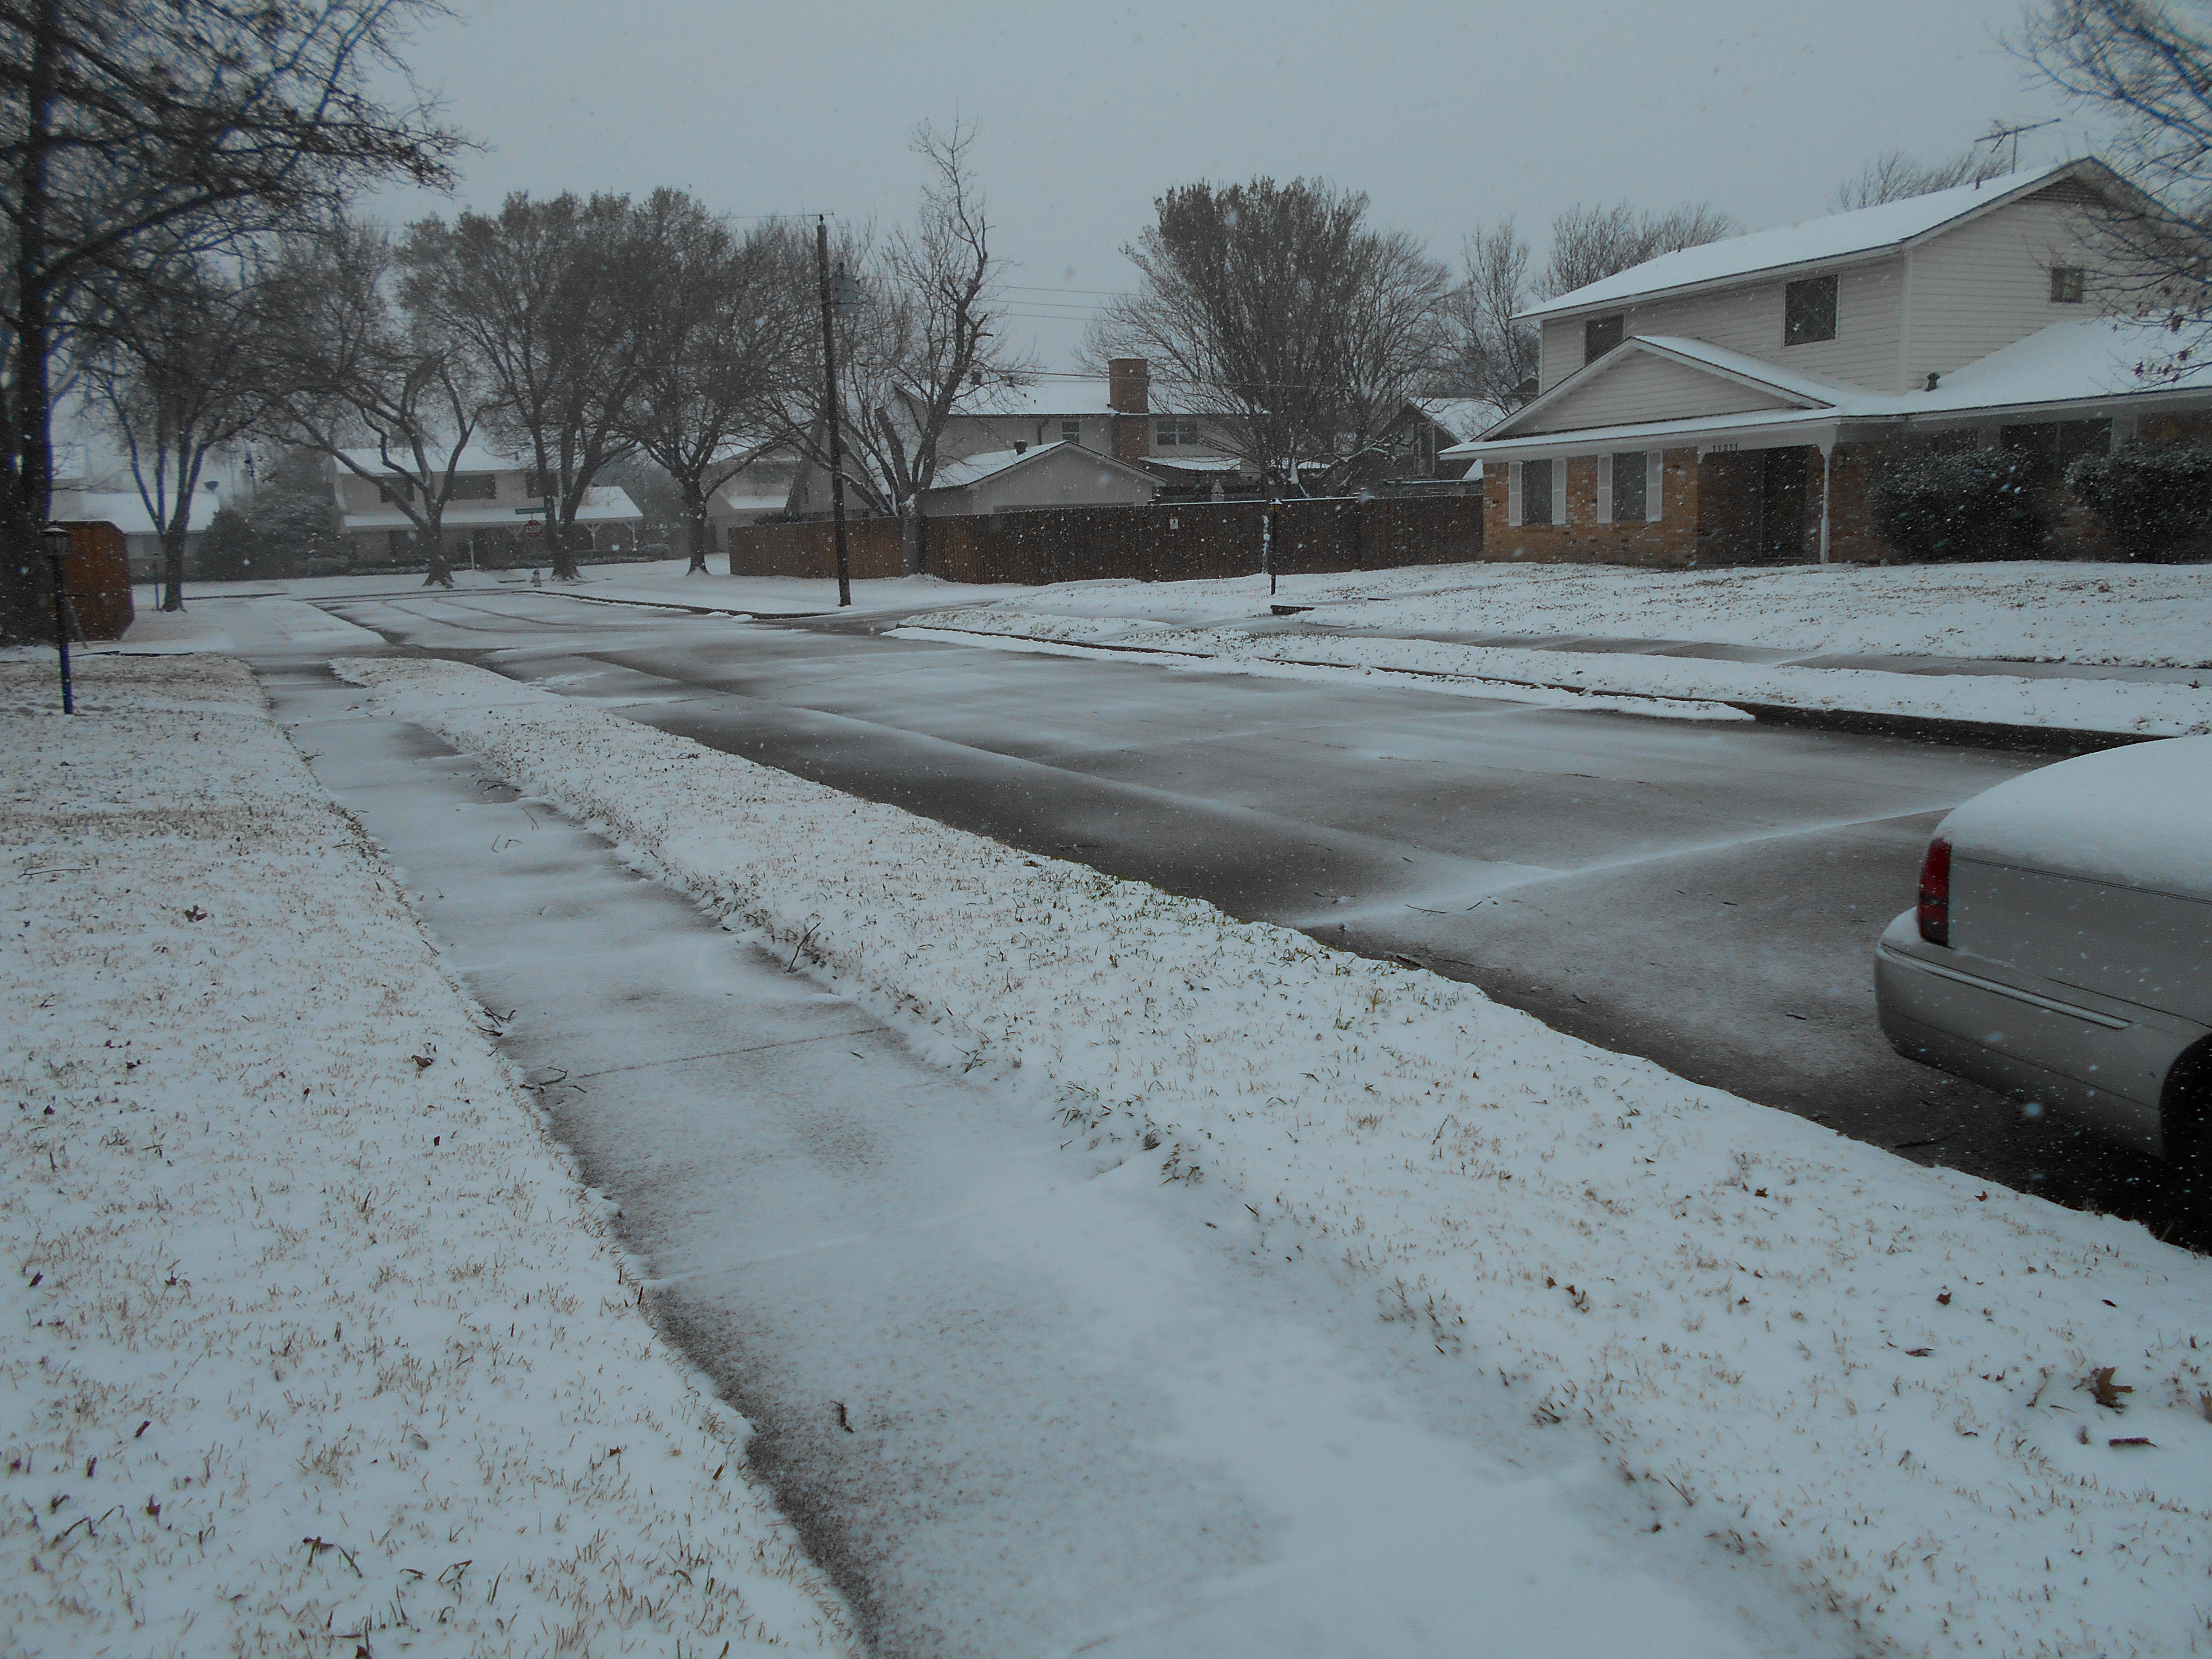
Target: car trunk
<point x="2148" y="948"/>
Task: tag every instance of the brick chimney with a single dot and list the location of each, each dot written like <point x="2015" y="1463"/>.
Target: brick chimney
<point x="1128" y="386"/>
<point x="1129" y="395"/>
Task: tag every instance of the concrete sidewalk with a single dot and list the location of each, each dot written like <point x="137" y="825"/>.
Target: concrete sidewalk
<point x="1019" y="1399"/>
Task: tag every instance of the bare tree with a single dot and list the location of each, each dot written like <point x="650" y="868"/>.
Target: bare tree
<point x="1893" y="176"/>
<point x="351" y="371"/>
<point x="726" y="332"/>
<point x="924" y="338"/>
<point x="543" y="298"/>
<point x="1591" y="243"/>
<point x="2146" y="70"/>
<point x="131" y="129"/>
<point x="1279" y="312"/>
<point x="1491" y="355"/>
<point x="176" y="380"/>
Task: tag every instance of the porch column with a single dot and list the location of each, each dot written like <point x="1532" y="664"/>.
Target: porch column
<point x="1827" y="457"/>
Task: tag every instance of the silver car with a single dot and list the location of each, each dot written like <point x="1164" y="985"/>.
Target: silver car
<point x="2062" y="948"/>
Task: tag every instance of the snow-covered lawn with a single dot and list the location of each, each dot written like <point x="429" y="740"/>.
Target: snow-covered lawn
<point x="1967" y="1420"/>
<point x="1692" y="687"/>
<point x="2154" y="615"/>
<point x="317" y="1346"/>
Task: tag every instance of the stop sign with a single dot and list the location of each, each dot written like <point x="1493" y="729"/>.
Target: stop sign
<point x="533" y="530"/>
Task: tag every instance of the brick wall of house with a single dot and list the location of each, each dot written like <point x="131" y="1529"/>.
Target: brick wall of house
<point x="1668" y="544"/>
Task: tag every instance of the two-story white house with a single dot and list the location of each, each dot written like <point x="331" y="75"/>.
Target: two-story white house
<point x="1734" y="402"/>
<point x="495" y="514"/>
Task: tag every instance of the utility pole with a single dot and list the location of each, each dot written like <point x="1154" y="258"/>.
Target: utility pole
<point x="830" y="406"/>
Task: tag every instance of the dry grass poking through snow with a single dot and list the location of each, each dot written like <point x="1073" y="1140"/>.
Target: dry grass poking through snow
<point x="316" y="1344"/>
<point x="1882" y="1381"/>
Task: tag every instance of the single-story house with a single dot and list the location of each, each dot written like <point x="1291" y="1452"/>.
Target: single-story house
<point x="495" y="515"/>
<point x="1059" y="474"/>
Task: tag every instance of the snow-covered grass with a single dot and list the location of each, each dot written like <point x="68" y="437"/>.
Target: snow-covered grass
<point x="2116" y="706"/>
<point x="2040" y="611"/>
<point x="1882" y="1381"/>
<point x="316" y="1344"/>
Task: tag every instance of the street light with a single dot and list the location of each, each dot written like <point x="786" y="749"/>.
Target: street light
<point x="57" y="537"/>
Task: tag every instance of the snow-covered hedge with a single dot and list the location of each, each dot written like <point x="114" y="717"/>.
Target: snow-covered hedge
<point x="315" y="1345"/>
<point x="1881" y="1380"/>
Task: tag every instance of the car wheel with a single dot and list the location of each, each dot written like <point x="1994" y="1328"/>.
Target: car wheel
<point x="2185" y="1126"/>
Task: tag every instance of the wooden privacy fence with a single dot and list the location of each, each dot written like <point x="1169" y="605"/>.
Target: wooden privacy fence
<point x="98" y="571"/>
<point x="1160" y="544"/>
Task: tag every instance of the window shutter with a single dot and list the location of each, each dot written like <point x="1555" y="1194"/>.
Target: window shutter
<point x="1605" y="489"/>
<point x="1655" y="479"/>
<point x="1559" y="492"/>
<point x="1513" y="493"/>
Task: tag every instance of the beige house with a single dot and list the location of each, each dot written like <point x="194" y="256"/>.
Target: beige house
<point x="1112" y="417"/>
<point x="1731" y="402"/>
<point x="1062" y="474"/>
<point x="495" y="515"/>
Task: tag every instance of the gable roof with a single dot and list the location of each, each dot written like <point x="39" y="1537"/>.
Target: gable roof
<point x="1784" y="387"/>
<point x="973" y="469"/>
<point x="2086" y="362"/>
<point x="1861" y="234"/>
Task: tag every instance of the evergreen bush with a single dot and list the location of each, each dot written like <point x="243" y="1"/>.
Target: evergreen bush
<point x="2154" y="501"/>
<point x="1962" y="504"/>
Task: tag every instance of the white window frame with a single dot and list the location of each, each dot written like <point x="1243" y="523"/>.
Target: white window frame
<point x="1558" y="493"/>
<point x="1655" y="484"/>
<point x="1513" y="493"/>
<point x="1605" y="489"/>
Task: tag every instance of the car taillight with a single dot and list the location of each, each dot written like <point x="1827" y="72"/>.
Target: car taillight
<point x="1936" y="894"/>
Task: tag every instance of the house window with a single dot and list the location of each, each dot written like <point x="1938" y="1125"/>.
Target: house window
<point x="1169" y="434"/>
<point x="1809" y="311"/>
<point x="478" y="487"/>
<point x="394" y="490"/>
<point x="2068" y="284"/>
<point x="1536" y="491"/>
<point x="1601" y="334"/>
<point x="1071" y="432"/>
<point x="1628" y="479"/>
<point x="536" y="483"/>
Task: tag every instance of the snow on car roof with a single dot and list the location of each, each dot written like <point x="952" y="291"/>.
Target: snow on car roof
<point x="2139" y="816"/>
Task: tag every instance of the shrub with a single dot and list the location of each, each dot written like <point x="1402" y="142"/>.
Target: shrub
<point x="2154" y="500"/>
<point x="1963" y="504"/>
<point x="229" y="548"/>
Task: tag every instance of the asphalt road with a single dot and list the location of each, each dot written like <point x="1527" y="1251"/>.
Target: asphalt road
<point x="1704" y="894"/>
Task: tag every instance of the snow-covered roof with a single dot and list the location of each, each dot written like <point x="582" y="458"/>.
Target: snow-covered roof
<point x="2087" y="361"/>
<point x="1461" y="416"/>
<point x="1040" y="398"/>
<point x="122" y="508"/>
<point x="474" y="459"/>
<point x="1197" y="463"/>
<point x="602" y="504"/>
<point x="1862" y="232"/>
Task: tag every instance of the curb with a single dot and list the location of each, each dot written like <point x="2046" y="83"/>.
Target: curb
<point x="1982" y="734"/>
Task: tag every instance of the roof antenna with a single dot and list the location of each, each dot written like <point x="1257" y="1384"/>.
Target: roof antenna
<point x="1998" y="133"/>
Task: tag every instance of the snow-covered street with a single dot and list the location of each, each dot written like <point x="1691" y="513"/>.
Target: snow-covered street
<point x="1886" y="1388"/>
<point x="1021" y="1397"/>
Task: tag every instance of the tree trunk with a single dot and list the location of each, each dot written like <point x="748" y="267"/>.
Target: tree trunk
<point x="440" y="571"/>
<point x="172" y="566"/>
<point x="25" y="584"/>
<point x="564" y="559"/>
<point x="695" y="512"/>
<point x="914" y="552"/>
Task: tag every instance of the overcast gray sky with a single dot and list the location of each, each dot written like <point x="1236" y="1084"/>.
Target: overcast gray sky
<point x="1445" y="114"/>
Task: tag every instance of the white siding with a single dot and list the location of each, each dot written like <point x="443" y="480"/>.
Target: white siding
<point x="1748" y="318"/>
<point x="1648" y="388"/>
<point x="1988" y="283"/>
